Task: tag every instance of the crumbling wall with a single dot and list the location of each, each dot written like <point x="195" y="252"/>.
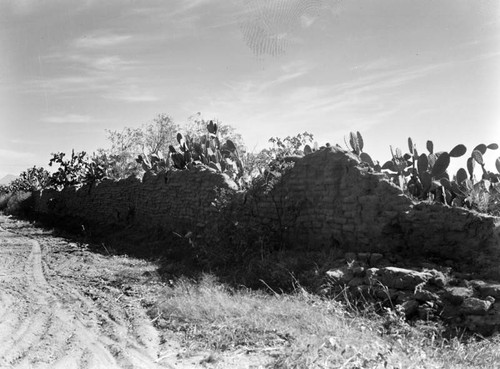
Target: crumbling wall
<point x="173" y="200"/>
<point x="328" y="200"/>
<point x="331" y="199"/>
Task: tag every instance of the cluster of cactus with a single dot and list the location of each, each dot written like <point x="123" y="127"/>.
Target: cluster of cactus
<point x="426" y="174"/>
<point x="356" y="144"/>
<point x="205" y="150"/>
<point x="32" y="179"/>
<point x="465" y="188"/>
<point x="477" y="157"/>
<point x="79" y="169"/>
<point x="154" y="163"/>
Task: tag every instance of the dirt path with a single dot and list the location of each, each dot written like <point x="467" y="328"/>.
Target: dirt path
<point x="50" y="319"/>
<point x="62" y="306"/>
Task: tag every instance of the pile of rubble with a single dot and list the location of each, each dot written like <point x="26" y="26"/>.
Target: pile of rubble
<point x="427" y="292"/>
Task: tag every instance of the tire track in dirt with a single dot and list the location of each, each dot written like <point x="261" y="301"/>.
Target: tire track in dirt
<point x="53" y="325"/>
<point x="64" y="306"/>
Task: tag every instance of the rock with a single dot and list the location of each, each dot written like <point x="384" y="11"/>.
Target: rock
<point x="340" y="276"/>
<point x="400" y="278"/>
<point x="458" y="282"/>
<point x="450" y="313"/>
<point x="336" y="276"/>
<point x="490" y="290"/>
<point x="358" y="271"/>
<point x="476" y="284"/>
<point x="485" y="324"/>
<point x="456" y="295"/>
<point x="475" y="306"/>
<point x="410" y="307"/>
<point x="438" y="278"/>
<point x="384" y="294"/>
<point x="371" y="272"/>
<point x="402" y="296"/>
<point x="425" y="295"/>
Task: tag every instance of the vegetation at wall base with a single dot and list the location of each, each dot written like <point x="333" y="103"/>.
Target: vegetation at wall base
<point x="303" y="330"/>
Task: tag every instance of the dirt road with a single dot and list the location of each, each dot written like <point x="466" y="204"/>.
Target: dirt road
<point x="53" y="316"/>
<point x="63" y="306"/>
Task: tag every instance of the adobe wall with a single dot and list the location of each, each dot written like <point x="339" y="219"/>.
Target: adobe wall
<point x="176" y="200"/>
<point x="330" y="199"/>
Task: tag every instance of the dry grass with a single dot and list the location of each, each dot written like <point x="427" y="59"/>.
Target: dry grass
<point x="305" y="331"/>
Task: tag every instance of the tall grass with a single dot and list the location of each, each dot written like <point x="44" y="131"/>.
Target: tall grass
<point x="306" y="331"/>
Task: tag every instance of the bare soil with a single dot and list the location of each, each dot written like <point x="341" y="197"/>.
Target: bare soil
<point x="64" y="306"/>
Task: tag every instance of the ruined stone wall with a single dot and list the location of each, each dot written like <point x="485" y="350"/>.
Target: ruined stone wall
<point x="328" y="200"/>
<point x="175" y="200"/>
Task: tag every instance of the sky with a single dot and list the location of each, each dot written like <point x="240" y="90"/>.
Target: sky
<point x="391" y="69"/>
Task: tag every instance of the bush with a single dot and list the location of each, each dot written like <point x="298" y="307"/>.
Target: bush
<point x="19" y="203"/>
<point x="4" y="199"/>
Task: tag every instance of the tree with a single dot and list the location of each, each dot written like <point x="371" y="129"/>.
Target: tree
<point x="280" y="156"/>
<point x="159" y="134"/>
<point x="126" y="145"/>
<point x="152" y="143"/>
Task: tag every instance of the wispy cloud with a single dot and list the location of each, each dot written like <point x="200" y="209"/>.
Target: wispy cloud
<point x="80" y="73"/>
<point x="258" y="85"/>
<point x="110" y="63"/>
<point x="89" y="62"/>
<point x="68" y="119"/>
<point x="101" y="41"/>
<point x="190" y="5"/>
<point x="292" y="100"/>
<point x="134" y="97"/>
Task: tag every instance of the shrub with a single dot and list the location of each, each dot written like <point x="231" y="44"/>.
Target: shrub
<point x="4" y="199"/>
<point x="19" y="203"/>
<point x="32" y="179"/>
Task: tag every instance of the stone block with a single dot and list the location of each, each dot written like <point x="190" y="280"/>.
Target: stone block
<point x="400" y="278"/>
<point x="492" y="290"/>
<point x="475" y="306"/>
<point x="410" y="307"/>
<point x="425" y="296"/>
<point x="457" y="295"/>
<point x="438" y="278"/>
